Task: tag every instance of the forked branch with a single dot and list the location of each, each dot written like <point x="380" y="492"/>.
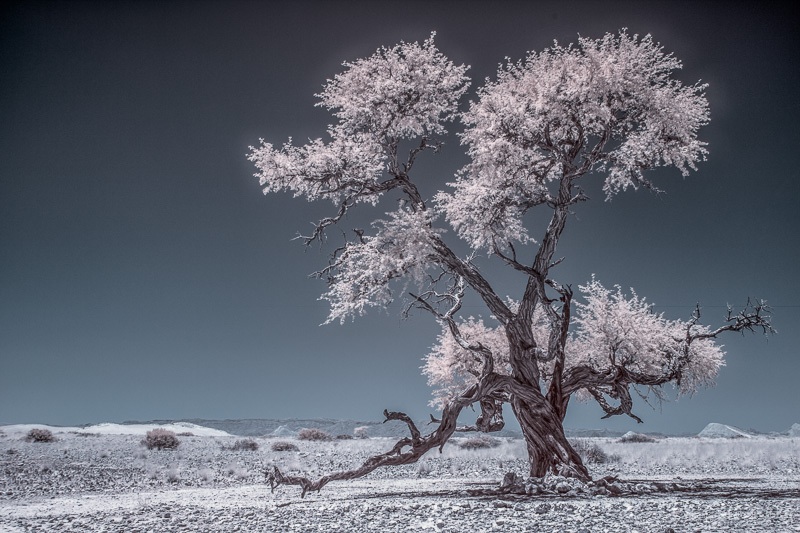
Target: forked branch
<point x="455" y="296"/>
<point x="756" y="315"/>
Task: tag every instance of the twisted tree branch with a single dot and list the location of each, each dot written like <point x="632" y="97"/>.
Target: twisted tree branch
<point x="419" y="445"/>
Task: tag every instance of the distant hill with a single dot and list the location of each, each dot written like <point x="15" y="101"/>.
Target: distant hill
<point x="268" y="427"/>
<point x="715" y="430"/>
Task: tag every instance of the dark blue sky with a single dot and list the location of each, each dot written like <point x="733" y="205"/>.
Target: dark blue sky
<point x="143" y="275"/>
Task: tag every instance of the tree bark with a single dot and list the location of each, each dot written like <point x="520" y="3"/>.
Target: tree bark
<point x="549" y="451"/>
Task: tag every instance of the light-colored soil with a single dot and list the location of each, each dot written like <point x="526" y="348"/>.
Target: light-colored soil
<point x="112" y="483"/>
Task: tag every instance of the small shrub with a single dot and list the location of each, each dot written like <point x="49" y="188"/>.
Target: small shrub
<point x="161" y="439"/>
<point x="361" y="432"/>
<point x="11" y="451"/>
<point x="284" y="446"/>
<point x="344" y="437"/>
<point x="247" y="445"/>
<point x="592" y="453"/>
<point x="314" y="434"/>
<point x="40" y="435"/>
<point x="186" y="434"/>
<point x="482" y="442"/>
<point x="636" y="437"/>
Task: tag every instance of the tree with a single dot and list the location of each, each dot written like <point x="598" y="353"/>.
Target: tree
<point x="602" y="109"/>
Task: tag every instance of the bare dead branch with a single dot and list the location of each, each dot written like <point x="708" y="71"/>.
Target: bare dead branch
<point x="754" y="316"/>
<point x="320" y="226"/>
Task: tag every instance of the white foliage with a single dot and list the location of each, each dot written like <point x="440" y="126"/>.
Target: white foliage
<point x="606" y="105"/>
<point x="612" y="329"/>
<point x="347" y="167"/>
<point x="362" y="272"/>
<point x="450" y="368"/>
<point x="401" y="92"/>
<point x="407" y="91"/>
<point x="703" y="358"/>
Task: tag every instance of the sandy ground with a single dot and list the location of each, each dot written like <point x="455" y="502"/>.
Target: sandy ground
<point x="110" y="482"/>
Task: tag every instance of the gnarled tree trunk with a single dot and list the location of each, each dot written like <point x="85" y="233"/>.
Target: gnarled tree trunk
<point x="549" y="451"/>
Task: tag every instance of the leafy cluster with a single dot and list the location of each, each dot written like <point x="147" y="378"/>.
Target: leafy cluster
<point x="451" y="368"/>
<point x="618" y="331"/>
<point x="406" y="91"/>
<point x="401" y="248"/>
<point x="398" y="93"/>
<point x="607" y="105"/>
